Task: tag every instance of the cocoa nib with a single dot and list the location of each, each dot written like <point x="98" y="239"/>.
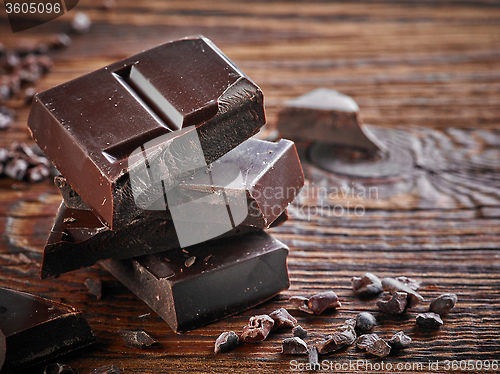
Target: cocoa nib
<point x="282" y="318"/>
<point x="373" y="344"/>
<point x="393" y="304"/>
<point x="365" y="321"/>
<point x="294" y="346"/>
<point x="301" y="303"/>
<point x="443" y="304"/>
<point x="366" y="340"/>
<point x="429" y="320"/>
<point x="412" y="283"/>
<point x="400" y="341"/>
<point x="369" y="284"/>
<point x="319" y="302"/>
<point x="392" y="285"/>
<point x="337" y="341"/>
<point x="299" y="332"/>
<point x="226" y="342"/>
<point x="137" y="338"/>
<point x="257" y="329"/>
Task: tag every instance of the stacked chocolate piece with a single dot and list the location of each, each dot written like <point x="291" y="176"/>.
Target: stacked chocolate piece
<point x="162" y="182"/>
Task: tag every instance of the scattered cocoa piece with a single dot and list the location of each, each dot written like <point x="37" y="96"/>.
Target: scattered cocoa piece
<point x="429" y="320"/>
<point x="337" y="341"/>
<point x="257" y="329"/>
<point x="190" y="261"/>
<point x="282" y="318"/>
<point x="16" y="168"/>
<point x="108" y="369"/>
<point x="299" y="332"/>
<point x="4" y="155"/>
<point x="7" y="116"/>
<point x="38" y="173"/>
<point x="60" y="41"/>
<point x="81" y="23"/>
<point x="313" y="358"/>
<point x="294" y="346"/>
<point x="29" y="95"/>
<point x="349" y="323"/>
<point x="393" y="304"/>
<point x="301" y="303"/>
<point x="412" y="283"/>
<point x="94" y="286"/>
<point x="137" y="338"/>
<point x="57" y="368"/>
<point x="226" y="341"/>
<point x="369" y="284"/>
<point x="391" y="285"/>
<point x="319" y="302"/>
<point x="443" y="304"/>
<point x="399" y="340"/>
<point x="379" y="348"/>
<point x="366" y="340"/>
<point x="365" y="321"/>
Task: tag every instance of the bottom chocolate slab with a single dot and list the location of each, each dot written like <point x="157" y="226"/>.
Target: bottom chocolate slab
<point x="211" y="281"/>
<point x="37" y="330"/>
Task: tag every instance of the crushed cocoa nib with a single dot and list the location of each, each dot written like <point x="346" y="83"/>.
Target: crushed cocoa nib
<point x="443" y="304"/>
<point x="337" y="341"/>
<point x="365" y="340"/>
<point x="412" y="283"/>
<point x="391" y="285"/>
<point x="379" y="348"/>
<point x="399" y="340"/>
<point x="299" y="332"/>
<point x="429" y="320"/>
<point x="301" y="303"/>
<point x="369" y="284"/>
<point x="137" y="338"/>
<point x="294" y="346"/>
<point x="319" y="302"/>
<point x="349" y="323"/>
<point x="257" y="329"/>
<point x="393" y="304"/>
<point x="190" y="261"/>
<point x="226" y="341"/>
<point x="282" y="318"/>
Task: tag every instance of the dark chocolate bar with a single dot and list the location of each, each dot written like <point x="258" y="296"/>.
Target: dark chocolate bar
<point x="326" y="116"/>
<point x="212" y="281"/>
<point x="255" y="181"/>
<point x="37" y="329"/>
<point x="157" y="115"/>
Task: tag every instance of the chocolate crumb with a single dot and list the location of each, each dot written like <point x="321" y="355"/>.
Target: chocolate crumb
<point x="69" y="220"/>
<point x="226" y="342"/>
<point x="429" y="320"/>
<point x="207" y="258"/>
<point x="319" y="302"/>
<point x="94" y="286"/>
<point x="190" y="261"/>
<point x="108" y="369"/>
<point x="365" y="321"/>
<point x="282" y="318"/>
<point x="299" y="332"/>
<point x="369" y="284"/>
<point x="443" y="304"/>
<point x="137" y="338"/>
<point x="57" y="368"/>
<point x="400" y="341"/>
<point x="294" y="346"/>
<point x="257" y="329"/>
<point x="393" y="304"/>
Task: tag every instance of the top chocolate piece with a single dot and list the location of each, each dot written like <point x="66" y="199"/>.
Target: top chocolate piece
<point x="183" y="103"/>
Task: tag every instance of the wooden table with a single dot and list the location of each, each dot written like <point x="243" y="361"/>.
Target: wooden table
<point x="426" y="78"/>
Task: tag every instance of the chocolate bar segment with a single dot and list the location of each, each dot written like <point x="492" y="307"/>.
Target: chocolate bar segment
<point x="326" y="116"/>
<point x="183" y="104"/>
<point x="214" y="280"/>
<point x="37" y="329"/>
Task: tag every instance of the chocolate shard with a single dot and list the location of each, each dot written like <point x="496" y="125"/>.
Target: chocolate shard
<point x="243" y="272"/>
<point x="327" y="116"/>
<point x="37" y="330"/>
<point x="78" y="239"/>
<point x="282" y="318"/>
<point x="294" y="346"/>
<point x="226" y="341"/>
<point x="176" y="108"/>
<point x="257" y="329"/>
<point x="136" y="338"/>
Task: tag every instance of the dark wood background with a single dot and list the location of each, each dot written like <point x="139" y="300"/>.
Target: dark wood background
<point x="427" y="78"/>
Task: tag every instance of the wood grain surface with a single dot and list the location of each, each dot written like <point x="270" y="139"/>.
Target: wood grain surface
<point x="427" y="78"/>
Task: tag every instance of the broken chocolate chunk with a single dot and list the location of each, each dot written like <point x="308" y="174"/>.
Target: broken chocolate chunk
<point x="37" y="330"/>
<point x="282" y="318"/>
<point x="429" y="320"/>
<point x="226" y="341"/>
<point x="294" y="346"/>
<point x="137" y="338"/>
<point x="443" y="304"/>
<point x="257" y="329"/>
<point x="399" y="340"/>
